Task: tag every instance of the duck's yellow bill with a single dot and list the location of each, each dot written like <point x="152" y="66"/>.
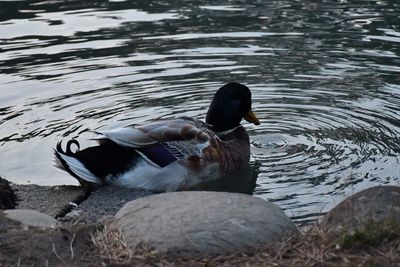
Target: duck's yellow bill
<point x="250" y="117"/>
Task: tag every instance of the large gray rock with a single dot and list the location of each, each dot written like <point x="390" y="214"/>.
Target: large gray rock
<point x="31" y="218"/>
<point x="52" y="200"/>
<point x="374" y="204"/>
<point x="192" y="224"/>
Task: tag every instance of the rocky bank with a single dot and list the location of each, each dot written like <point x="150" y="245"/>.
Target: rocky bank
<point x="68" y="226"/>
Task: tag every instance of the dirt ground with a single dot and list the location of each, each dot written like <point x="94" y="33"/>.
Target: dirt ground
<point x="95" y="245"/>
<point x="374" y="245"/>
<point x="31" y="246"/>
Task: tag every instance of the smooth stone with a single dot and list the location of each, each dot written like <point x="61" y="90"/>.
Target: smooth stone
<point x="374" y="204"/>
<point x="31" y="218"/>
<point x="193" y="224"/>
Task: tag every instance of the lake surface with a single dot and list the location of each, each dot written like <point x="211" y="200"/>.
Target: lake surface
<point x="324" y="77"/>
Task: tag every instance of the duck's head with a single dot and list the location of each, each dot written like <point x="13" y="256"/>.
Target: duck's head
<point x="231" y="103"/>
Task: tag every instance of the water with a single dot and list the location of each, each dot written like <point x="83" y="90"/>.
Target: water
<point x="324" y="77"/>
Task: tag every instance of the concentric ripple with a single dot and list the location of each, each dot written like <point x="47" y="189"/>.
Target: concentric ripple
<point x="324" y="151"/>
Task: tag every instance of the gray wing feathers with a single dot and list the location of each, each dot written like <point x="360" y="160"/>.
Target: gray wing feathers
<point x="129" y="137"/>
<point x="158" y="132"/>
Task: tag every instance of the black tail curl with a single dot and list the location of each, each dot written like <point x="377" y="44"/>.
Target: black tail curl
<point x="68" y="150"/>
<point x="64" y="165"/>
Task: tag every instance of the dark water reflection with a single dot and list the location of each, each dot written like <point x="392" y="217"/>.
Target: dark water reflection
<point x="244" y="181"/>
<point x="324" y="76"/>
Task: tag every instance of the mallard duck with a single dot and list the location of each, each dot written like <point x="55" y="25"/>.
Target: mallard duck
<point x="169" y="154"/>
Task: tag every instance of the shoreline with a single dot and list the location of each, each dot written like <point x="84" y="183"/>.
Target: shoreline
<point x="363" y="229"/>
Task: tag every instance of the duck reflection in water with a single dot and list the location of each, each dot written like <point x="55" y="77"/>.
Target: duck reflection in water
<point x="244" y="181"/>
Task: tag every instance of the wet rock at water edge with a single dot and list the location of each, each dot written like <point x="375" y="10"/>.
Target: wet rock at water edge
<point x="373" y="205"/>
<point x="192" y="224"/>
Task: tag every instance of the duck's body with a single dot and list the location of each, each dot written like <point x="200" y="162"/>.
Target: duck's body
<point x="169" y="155"/>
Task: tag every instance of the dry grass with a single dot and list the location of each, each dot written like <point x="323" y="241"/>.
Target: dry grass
<point x="114" y="250"/>
<point x="311" y="248"/>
